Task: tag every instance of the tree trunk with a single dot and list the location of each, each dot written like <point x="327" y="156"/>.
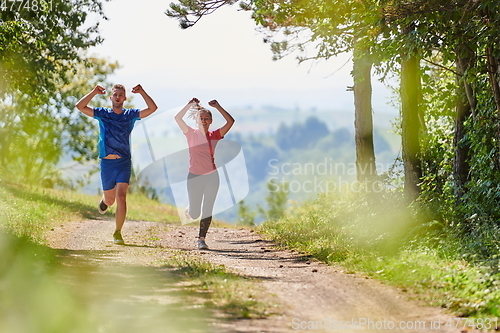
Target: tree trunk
<point x="493" y="72"/>
<point x="363" y="121"/>
<point x="466" y="104"/>
<point x="410" y="123"/>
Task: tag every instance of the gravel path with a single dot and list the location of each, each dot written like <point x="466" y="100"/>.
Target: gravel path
<point x="310" y="295"/>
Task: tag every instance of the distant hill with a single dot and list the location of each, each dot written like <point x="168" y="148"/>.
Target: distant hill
<point x="267" y="119"/>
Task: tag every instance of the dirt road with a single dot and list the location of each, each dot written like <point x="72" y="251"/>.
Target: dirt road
<point x="310" y="295"/>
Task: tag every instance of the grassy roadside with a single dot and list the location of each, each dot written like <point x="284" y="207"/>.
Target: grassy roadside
<point x="35" y="271"/>
<point x="237" y="296"/>
<point x="29" y="211"/>
<point x="383" y="241"/>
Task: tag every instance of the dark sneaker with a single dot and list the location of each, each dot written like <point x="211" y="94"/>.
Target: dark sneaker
<point x="102" y="207"/>
<point x="202" y="245"/>
<point x="117" y="238"/>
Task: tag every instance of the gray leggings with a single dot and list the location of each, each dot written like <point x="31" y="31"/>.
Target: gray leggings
<point x="202" y="188"/>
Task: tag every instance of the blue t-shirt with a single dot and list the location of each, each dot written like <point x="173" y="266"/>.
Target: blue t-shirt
<point x="115" y="129"/>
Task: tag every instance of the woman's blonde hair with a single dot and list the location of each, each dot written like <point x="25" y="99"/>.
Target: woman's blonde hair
<point x="195" y="110"/>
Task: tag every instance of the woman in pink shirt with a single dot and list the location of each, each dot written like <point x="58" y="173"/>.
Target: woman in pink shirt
<point x="203" y="178"/>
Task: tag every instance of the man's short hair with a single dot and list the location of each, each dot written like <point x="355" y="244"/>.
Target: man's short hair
<point x="118" y="86"/>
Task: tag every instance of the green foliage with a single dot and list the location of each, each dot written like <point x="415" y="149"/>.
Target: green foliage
<point x="437" y="143"/>
<point x="482" y="193"/>
<point x="379" y="236"/>
<point x="35" y="135"/>
<point x="471" y="217"/>
<point x="143" y="187"/>
<point x="188" y="12"/>
<point x="467" y="290"/>
<point x="276" y="200"/>
<point x="43" y="70"/>
<point x="441" y="33"/>
<point x="245" y="216"/>
<point x="353" y="217"/>
<point x="40" y="44"/>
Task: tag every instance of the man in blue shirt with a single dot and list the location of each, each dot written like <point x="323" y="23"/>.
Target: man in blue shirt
<point x="115" y="127"/>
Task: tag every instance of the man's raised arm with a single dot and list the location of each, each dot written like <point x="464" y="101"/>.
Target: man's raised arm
<point x="82" y="104"/>
<point x="150" y="104"/>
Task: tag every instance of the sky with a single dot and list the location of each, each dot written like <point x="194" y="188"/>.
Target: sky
<point x="222" y="57"/>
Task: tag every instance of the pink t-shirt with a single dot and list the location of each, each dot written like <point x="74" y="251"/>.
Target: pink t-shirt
<point x="200" y="159"/>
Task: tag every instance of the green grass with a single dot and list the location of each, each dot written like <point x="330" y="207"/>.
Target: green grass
<point x="386" y="242"/>
<point x="235" y="295"/>
<point x="29" y="211"/>
<point x="27" y="285"/>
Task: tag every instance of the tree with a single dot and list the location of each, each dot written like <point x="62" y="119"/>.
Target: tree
<point x="37" y="43"/>
<point x="410" y="121"/>
<point x="462" y="36"/>
<point x="363" y="121"/>
<point x="276" y="199"/>
<point x="245" y="216"/>
<point x="42" y="60"/>
<point x="418" y="29"/>
<point x="465" y="107"/>
<point x="35" y="135"/>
